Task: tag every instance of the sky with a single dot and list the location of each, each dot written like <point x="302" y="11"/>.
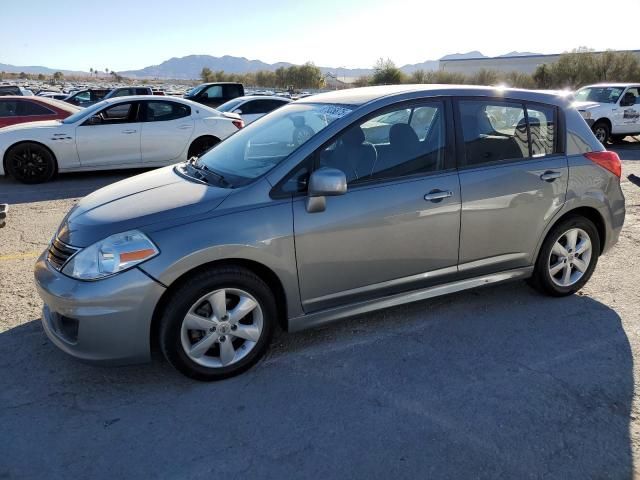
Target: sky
<point x="128" y="34"/>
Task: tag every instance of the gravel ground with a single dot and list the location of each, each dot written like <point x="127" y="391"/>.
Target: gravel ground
<point x="497" y="382"/>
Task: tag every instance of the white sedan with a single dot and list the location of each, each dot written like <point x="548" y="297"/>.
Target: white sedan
<point x="252" y="107"/>
<point x="124" y="132"/>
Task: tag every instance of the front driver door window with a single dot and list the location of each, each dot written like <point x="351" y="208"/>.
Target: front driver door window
<point x="115" y="140"/>
<point x="388" y="232"/>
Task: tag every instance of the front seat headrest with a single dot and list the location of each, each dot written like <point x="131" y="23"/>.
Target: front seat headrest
<point x="401" y="133"/>
<point x="353" y="137"/>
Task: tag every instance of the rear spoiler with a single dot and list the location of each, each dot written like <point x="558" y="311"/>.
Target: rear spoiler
<point x="233" y="116"/>
<point x="4" y="208"/>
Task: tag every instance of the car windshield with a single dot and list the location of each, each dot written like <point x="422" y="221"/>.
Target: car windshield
<point x="599" y="94"/>
<point x="230" y="105"/>
<point x="257" y="148"/>
<point x="84" y="113"/>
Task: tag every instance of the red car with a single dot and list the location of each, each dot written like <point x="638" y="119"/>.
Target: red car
<point x="14" y="110"/>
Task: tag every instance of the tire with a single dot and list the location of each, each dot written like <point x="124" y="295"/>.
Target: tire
<point x="550" y="269"/>
<point x="201" y="145"/>
<point x="195" y="316"/>
<point x="30" y="163"/>
<point x="602" y="132"/>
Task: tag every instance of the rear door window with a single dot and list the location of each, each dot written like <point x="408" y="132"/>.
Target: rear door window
<point x="493" y="131"/>
<point x="496" y="130"/>
<point x="542" y="127"/>
<point x="27" y="108"/>
<point x="165" y="111"/>
<point x="232" y="91"/>
<point x="8" y="108"/>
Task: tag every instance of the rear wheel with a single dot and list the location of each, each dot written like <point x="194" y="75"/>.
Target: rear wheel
<point x="218" y="324"/>
<point x="602" y="132"/>
<point x="201" y="145"/>
<point x="30" y="163"/>
<point x="567" y="258"/>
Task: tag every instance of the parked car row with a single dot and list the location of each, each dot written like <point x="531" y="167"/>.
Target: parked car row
<point x="120" y="132"/>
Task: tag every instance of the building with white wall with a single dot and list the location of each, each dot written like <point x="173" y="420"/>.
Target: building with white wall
<point x="522" y="64"/>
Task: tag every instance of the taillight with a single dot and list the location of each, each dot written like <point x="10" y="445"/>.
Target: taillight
<point x="238" y="123"/>
<point x="607" y="160"/>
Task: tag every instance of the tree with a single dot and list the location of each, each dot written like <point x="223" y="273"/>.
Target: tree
<point x="419" y="76"/>
<point x="385" y="72"/>
<point x="41" y="77"/>
<point x="362" y="81"/>
<point x="91" y="71"/>
<point x="542" y="76"/>
<point x="58" y="76"/>
<point x="206" y="74"/>
<point x="484" y="77"/>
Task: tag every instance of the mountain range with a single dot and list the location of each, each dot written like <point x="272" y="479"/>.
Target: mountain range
<point x="189" y="67"/>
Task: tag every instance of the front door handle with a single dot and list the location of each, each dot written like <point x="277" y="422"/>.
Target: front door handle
<point x="437" y="195"/>
<point x="550" y="176"/>
<point x="129" y="132"/>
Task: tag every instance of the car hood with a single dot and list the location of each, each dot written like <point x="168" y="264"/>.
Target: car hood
<point x="585" y="105"/>
<point x="29" y="125"/>
<point x="151" y="198"/>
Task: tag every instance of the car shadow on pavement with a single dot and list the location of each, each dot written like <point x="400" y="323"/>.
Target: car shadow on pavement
<point x="496" y="383"/>
<point x="68" y="185"/>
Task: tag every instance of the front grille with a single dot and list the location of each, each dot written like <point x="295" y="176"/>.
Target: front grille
<point x="59" y="253"/>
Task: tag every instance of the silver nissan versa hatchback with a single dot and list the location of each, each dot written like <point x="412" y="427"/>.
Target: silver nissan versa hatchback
<point x="338" y="204"/>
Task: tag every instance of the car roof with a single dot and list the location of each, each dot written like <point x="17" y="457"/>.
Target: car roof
<point x="262" y="97"/>
<point x="362" y="95"/>
<point x="49" y="101"/>
<point x="612" y="84"/>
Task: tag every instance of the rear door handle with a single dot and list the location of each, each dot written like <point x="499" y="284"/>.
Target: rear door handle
<point x="185" y="127"/>
<point x="128" y="132"/>
<point x="437" y="195"/>
<point x="550" y="176"/>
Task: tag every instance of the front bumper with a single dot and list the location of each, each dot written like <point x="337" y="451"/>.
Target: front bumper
<point x="105" y="321"/>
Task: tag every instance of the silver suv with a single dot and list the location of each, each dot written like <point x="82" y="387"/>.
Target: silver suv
<point x="338" y="204"/>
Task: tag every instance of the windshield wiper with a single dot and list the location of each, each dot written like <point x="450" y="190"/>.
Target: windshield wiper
<point x="207" y="173"/>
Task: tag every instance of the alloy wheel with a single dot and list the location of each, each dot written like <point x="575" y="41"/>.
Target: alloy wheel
<point x="570" y="257"/>
<point x="222" y="327"/>
<point x="29" y="164"/>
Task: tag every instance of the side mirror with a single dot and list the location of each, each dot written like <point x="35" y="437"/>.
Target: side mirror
<point x="94" y="120"/>
<point x="324" y="182"/>
<point x="238" y="111"/>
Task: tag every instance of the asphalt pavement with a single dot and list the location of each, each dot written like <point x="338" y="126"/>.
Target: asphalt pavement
<point x="499" y="382"/>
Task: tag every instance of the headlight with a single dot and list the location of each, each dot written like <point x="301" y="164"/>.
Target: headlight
<point x="111" y="255"/>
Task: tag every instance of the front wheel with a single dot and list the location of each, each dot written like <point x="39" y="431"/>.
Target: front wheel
<point x="568" y="257"/>
<point x="218" y="324"/>
<point x="30" y="163"/>
<point x="602" y="132"/>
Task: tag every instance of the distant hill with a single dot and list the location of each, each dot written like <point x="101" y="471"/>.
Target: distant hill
<point x="461" y="56"/>
<point x="189" y="67"/>
<point x="426" y="65"/>
<point x="34" y="69"/>
<point x="518" y="54"/>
